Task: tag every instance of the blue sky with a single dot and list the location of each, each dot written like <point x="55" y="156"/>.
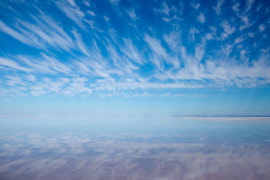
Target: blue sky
<point x="146" y="57"/>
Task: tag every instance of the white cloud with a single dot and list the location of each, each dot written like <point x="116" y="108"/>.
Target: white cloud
<point x="227" y="28"/>
<point x="44" y="33"/>
<point x="86" y="3"/>
<point x="54" y="64"/>
<point x="245" y="19"/>
<point x="72" y="11"/>
<point x="61" y="86"/>
<point x="92" y="13"/>
<point x="236" y="7"/>
<point x="114" y="55"/>
<point x="31" y="78"/>
<point x="156" y="46"/>
<point x="14" y="80"/>
<point x="165" y="10"/>
<point x="262" y="27"/>
<point x="106" y="18"/>
<point x="48" y="86"/>
<point x="132" y="14"/>
<point x="193" y="31"/>
<point x="77" y="86"/>
<point x="44" y="64"/>
<point x="166" y="19"/>
<point x="37" y="93"/>
<point x="201" y="18"/>
<point x="131" y="51"/>
<point x="195" y="6"/>
<point x="80" y="44"/>
<point x="251" y="34"/>
<point x="139" y="85"/>
<point x="159" y="53"/>
<point x="217" y="8"/>
<point x="72" y="2"/>
<point x="113" y="62"/>
<point x="173" y="40"/>
<point x="238" y="40"/>
<point x="12" y="64"/>
<point x="249" y="5"/>
<point x="15" y="34"/>
<point x="114" y="1"/>
<point x="199" y="52"/>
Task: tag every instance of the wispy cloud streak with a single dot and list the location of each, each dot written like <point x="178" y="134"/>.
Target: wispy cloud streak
<point x="118" y="48"/>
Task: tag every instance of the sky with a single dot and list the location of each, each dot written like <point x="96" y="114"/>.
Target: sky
<point x="134" y="57"/>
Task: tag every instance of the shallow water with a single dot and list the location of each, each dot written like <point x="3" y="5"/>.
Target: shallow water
<point x="135" y="148"/>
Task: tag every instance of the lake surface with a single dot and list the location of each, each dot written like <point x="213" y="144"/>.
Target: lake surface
<point x="135" y="148"/>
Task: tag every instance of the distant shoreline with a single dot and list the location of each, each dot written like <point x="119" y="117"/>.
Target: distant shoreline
<point x="219" y="116"/>
<point x="227" y="118"/>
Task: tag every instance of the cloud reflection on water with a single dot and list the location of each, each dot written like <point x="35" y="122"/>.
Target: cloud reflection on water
<point x="82" y="155"/>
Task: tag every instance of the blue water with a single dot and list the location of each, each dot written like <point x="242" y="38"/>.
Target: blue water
<point x="34" y="143"/>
